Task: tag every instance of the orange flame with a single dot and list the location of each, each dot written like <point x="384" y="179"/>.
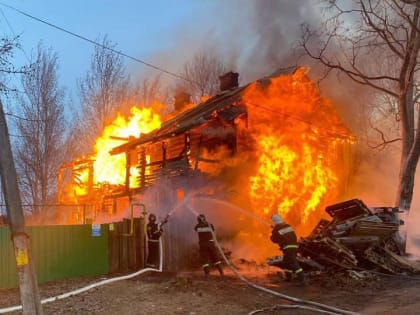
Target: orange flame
<point x="298" y="135"/>
<point x="102" y="170"/>
<point x="111" y="168"/>
<point x="81" y="177"/>
<point x="298" y="140"/>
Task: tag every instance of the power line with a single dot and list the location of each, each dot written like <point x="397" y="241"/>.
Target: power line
<point x="16" y="136"/>
<point x="97" y="44"/>
<point x="7" y="22"/>
<point x="143" y="62"/>
<point x="26" y="119"/>
<point x="13" y="32"/>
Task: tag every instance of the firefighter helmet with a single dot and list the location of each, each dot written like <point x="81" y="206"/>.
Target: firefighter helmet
<point x="277" y="219"/>
<point x="152" y="218"/>
<point x="201" y="218"/>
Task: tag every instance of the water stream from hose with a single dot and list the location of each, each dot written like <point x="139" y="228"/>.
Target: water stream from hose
<point x="316" y="307"/>
<point x="234" y="207"/>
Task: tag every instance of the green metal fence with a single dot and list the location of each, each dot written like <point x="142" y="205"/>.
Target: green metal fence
<point x="59" y="252"/>
<point x="8" y="276"/>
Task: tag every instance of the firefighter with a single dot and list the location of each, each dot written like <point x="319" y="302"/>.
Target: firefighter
<point x="208" y="251"/>
<point x="284" y="235"/>
<point x="154" y="232"/>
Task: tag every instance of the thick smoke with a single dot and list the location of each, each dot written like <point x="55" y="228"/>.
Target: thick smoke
<point x="275" y="26"/>
<point x="183" y="200"/>
<point x="255" y="38"/>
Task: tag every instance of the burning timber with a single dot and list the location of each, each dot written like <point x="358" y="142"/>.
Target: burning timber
<point x="357" y="238"/>
<point x="265" y="139"/>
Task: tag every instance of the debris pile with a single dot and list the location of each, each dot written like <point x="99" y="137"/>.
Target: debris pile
<point x="357" y="237"/>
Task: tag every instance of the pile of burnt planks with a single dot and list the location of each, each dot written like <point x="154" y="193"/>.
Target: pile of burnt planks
<point x="357" y="238"/>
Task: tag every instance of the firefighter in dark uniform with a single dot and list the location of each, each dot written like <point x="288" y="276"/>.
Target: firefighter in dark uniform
<point x="154" y="232"/>
<point x="208" y="251"/>
<point x="284" y="235"/>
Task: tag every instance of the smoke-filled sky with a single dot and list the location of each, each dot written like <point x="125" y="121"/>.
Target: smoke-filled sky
<point x="254" y="37"/>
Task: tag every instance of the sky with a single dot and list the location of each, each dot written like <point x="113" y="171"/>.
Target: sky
<point x="162" y="32"/>
<point x="254" y="37"/>
<point x="139" y="28"/>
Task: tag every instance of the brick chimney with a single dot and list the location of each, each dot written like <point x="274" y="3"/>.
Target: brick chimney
<point x="229" y="81"/>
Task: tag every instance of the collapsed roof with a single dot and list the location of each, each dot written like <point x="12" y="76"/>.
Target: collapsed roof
<point x="227" y="105"/>
<point x="223" y="106"/>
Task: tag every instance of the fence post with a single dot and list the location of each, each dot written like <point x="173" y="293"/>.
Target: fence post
<point x="139" y="237"/>
<point x="124" y="229"/>
<point x="113" y="248"/>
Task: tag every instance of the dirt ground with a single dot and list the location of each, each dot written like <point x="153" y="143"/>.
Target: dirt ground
<point x="192" y="293"/>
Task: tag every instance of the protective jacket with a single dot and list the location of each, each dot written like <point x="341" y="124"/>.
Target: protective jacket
<point x="284" y="235"/>
<point x="204" y="232"/>
<point x="208" y="252"/>
<point x="154" y="231"/>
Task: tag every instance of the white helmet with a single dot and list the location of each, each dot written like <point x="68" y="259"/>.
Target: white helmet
<point x="277" y="219"/>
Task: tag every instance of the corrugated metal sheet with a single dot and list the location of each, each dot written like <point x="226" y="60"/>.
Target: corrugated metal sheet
<point x="8" y="275"/>
<point x="59" y="252"/>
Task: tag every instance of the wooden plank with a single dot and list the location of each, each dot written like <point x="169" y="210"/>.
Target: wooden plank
<point x="124" y="229"/>
<point x="139" y="238"/>
<point x="119" y="226"/>
<point x="131" y="247"/>
<point x="113" y="248"/>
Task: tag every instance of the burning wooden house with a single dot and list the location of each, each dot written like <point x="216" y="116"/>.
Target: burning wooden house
<point x="182" y="144"/>
<point x="276" y="142"/>
<point x="274" y="137"/>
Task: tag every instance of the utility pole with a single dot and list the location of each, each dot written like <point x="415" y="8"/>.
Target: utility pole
<point x="28" y="286"/>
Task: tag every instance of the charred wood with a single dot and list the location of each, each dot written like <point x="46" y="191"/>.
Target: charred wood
<point x="356" y="238"/>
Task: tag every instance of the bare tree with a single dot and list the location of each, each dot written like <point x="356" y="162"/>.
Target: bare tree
<point x="42" y="128"/>
<point x="376" y="43"/>
<point x="102" y="91"/>
<point x="7" y="47"/>
<point x="151" y="92"/>
<point x="202" y="73"/>
<point x="28" y="287"/>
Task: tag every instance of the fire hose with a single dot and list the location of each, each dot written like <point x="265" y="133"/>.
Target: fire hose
<point x="106" y="281"/>
<point x="93" y="285"/>
<point x="291" y="306"/>
<point x="323" y="308"/>
<point x="318" y="306"/>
